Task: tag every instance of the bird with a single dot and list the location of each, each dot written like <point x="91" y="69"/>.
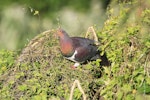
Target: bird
<point x="77" y="49"/>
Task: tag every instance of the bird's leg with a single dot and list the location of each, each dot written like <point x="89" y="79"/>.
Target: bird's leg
<point x="91" y="30"/>
<point x="75" y="65"/>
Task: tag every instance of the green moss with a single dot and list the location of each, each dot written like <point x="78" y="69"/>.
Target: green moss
<point x="42" y="73"/>
<point x="7" y="59"/>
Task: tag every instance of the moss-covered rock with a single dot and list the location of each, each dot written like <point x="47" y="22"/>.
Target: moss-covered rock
<point x="41" y="73"/>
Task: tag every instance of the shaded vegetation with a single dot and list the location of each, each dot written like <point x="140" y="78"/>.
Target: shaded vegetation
<point x="51" y="6"/>
<point x="41" y="73"/>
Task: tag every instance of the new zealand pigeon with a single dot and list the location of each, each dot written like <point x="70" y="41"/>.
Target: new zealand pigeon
<point x="77" y="49"/>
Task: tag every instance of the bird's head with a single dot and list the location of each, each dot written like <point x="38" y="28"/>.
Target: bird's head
<point x="62" y="34"/>
<point x="65" y="41"/>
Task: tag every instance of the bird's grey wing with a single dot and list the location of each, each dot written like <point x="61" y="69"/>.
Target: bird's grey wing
<point x="79" y="41"/>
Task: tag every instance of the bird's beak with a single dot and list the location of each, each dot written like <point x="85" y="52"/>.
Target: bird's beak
<point x="59" y="33"/>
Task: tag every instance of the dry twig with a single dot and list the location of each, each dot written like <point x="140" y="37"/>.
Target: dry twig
<point x="79" y="87"/>
<point x="91" y="30"/>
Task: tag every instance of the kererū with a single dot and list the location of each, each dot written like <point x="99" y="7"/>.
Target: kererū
<point x="77" y="49"/>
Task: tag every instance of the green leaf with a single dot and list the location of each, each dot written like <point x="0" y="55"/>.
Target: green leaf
<point x="107" y="70"/>
<point x="77" y="93"/>
<point x="147" y="80"/>
<point x="119" y="95"/>
<point x="145" y="88"/>
<point x="22" y="87"/>
<point x="36" y="97"/>
<point x="126" y="88"/>
<point x="36" y="13"/>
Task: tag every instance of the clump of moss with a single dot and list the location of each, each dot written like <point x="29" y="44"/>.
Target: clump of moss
<point x="40" y="72"/>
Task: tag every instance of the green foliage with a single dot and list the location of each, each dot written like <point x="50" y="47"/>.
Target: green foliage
<point x="146" y="15"/>
<point x="51" y="5"/>
<point x="6" y="60"/>
<point x="44" y="74"/>
<point x="129" y="54"/>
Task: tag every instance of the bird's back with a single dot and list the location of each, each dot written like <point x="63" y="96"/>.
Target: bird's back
<point x="79" y="41"/>
<point x="87" y="50"/>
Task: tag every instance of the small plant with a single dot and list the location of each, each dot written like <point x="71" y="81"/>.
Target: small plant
<point x="7" y="60"/>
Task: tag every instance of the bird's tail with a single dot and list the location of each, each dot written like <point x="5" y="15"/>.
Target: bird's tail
<point x="104" y="59"/>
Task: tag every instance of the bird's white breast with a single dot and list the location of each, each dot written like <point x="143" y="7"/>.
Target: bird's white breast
<point x="72" y="58"/>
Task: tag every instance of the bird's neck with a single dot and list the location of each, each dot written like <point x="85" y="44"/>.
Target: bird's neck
<point x="66" y="46"/>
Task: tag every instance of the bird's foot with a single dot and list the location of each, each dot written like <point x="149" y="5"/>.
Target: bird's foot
<point x="75" y="66"/>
